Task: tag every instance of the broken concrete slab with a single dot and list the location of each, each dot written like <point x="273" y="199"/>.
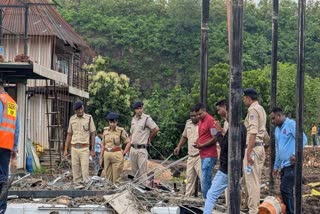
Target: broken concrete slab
<point x="125" y="203"/>
<point x="33" y="208"/>
<point x="57" y="193"/>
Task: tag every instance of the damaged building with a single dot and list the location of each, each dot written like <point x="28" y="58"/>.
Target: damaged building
<point x="41" y="63"/>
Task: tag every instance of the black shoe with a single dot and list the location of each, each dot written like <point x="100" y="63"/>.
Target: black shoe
<point x="5" y="187"/>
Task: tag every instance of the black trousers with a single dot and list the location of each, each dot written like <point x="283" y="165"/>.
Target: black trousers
<point x="5" y="156"/>
<point x="314" y="140"/>
<point x="286" y="188"/>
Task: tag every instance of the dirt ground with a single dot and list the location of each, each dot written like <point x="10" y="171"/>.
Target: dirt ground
<point x="311" y="174"/>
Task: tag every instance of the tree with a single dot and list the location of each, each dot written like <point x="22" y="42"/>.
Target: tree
<point x="170" y="112"/>
<point x="110" y="92"/>
<point x="218" y="86"/>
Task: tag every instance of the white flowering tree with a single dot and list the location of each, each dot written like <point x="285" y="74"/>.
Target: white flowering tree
<point x="110" y="92"/>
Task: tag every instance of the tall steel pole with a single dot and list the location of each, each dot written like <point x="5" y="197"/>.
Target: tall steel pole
<point x="1" y="19"/>
<point x="235" y="102"/>
<point x="299" y="110"/>
<point x="26" y="14"/>
<point x="273" y="102"/>
<point x="204" y="52"/>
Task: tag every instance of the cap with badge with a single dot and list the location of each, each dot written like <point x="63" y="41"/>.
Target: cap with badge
<point x="112" y="116"/>
<point x="250" y="91"/>
<point x="77" y="105"/>
<point x="138" y="105"/>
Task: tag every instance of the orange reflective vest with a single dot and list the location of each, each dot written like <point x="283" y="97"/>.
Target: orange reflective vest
<point x="8" y="123"/>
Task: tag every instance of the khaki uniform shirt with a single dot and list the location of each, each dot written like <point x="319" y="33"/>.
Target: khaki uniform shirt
<point x="80" y="129"/>
<point x="141" y="128"/>
<point x="114" y="138"/>
<point x="191" y="133"/>
<point x="255" y="122"/>
<point x="314" y="130"/>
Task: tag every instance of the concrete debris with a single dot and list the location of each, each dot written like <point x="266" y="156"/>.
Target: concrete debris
<point x="124" y="202"/>
<point x="14" y="182"/>
<point x="67" y="173"/>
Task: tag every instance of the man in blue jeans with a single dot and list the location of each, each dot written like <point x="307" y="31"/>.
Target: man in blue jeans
<point x="285" y="135"/>
<point x="207" y="146"/>
<point x="220" y="180"/>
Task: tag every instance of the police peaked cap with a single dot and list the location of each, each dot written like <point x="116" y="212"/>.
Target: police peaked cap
<point x="250" y="91"/>
<point x="112" y="116"/>
<point x="138" y="105"/>
<point x="77" y="105"/>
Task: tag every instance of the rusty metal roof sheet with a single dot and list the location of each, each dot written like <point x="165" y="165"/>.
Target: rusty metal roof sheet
<point x="42" y="20"/>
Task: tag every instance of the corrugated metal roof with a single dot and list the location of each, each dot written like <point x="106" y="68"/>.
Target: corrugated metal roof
<point x="42" y="20"/>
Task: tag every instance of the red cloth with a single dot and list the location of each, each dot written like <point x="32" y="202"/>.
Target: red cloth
<point x="205" y="135"/>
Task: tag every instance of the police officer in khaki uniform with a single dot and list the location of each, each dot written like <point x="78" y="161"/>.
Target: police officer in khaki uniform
<point x="81" y="132"/>
<point x="143" y="130"/>
<point x="190" y="134"/>
<point x="255" y="123"/>
<point x="111" y="152"/>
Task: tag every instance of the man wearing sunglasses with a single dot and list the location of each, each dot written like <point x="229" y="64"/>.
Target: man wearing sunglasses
<point x="81" y="132"/>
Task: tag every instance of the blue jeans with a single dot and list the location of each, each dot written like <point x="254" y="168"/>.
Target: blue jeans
<point x="219" y="184"/>
<point x="286" y="188"/>
<point x="96" y="161"/>
<point x="207" y="165"/>
<point x="5" y="155"/>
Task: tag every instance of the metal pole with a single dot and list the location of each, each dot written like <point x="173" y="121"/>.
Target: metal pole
<point x="26" y="12"/>
<point x="273" y="103"/>
<point x="1" y="26"/>
<point x="204" y="52"/>
<point x="235" y="101"/>
<point x="299" y="110"/>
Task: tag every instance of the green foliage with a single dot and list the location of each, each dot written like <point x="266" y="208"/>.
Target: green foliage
<point x="152" y="40"/>
<point x="39" y="170"/>
<point x="157" y="45"/>
<point x="110" y="92"/>
<point x="218" y="86"/>
<point x="170" y="111"/>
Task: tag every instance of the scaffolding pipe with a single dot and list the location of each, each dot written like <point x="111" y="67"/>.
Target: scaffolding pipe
<point x="299" y="109"/>
<point x="204" y="53"/>
<point x="273" y="101"/>
<point x="235" y="103"/>
<point x="26" y="14"/>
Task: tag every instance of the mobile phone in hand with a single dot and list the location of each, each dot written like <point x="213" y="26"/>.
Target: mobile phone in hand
<point x="213" y="131"/>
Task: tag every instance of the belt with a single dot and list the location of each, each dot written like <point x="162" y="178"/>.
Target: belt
<point x="79" y="145"/>
<point x="140" y="146"/>
<point x="114" y="149"/>
<point x="257" y="144"/>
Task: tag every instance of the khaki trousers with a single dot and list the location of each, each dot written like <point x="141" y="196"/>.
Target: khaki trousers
<point x="193" y="170"/>
<point x="253" y="180"/>
<point x="113" y="166"/>
<point x="139" y="158"/>
<point x="80" y="164"/>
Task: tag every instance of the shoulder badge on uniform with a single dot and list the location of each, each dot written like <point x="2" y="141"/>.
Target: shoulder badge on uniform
<point x="251" y="117"/>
